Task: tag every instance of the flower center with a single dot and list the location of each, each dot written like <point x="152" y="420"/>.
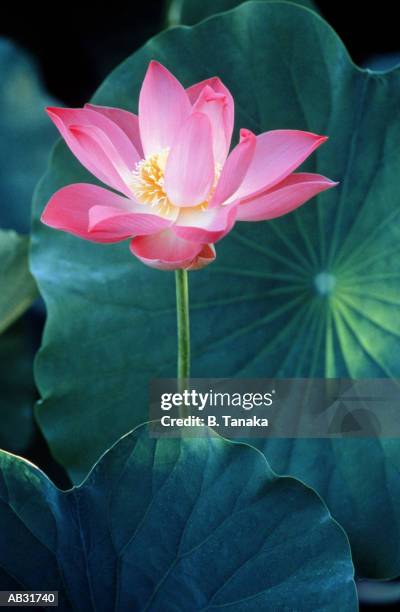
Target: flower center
<point x="147" y="183"/>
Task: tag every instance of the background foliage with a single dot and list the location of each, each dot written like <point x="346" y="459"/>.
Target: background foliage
<point x="271" y="304"/>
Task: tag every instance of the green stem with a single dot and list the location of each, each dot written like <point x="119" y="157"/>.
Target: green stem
<point x="182" y="312"/>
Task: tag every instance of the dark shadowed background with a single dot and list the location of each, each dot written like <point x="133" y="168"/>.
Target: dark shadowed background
<point x="76" y="45"/>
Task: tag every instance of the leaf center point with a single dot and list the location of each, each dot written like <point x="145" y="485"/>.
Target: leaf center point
<point x="324" y="283"/>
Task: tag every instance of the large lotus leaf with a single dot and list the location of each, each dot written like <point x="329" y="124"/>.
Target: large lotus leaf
<point x="17" y="388"/>
<point x="312" y="294"/>
<point x="189" y="12"/>
<point x="168" y="525"/>
<point x="25" y="135"/>
<point x="18" y="287"/>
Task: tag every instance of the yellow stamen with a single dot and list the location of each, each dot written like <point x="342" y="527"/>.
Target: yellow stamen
<point x="148" y="183"/>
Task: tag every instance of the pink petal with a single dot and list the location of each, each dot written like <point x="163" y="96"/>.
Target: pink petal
<point x="166" y="251"/>
<point x="194" y="92"/>
<point x="291" y="193"/>
<point x="118" y="141"/>
<point x="163" y="107"/>
<point x="204" y="258"/>
<point x="68" y="210"/>
<point x="190" y="170"/>
<point x="107" y="220"/>
<point x="214" y="105"/>
<point x="101" y="152"/>
<point x="128" y="122"/>
<point x="278" y="153"/>
<point x="235" y="168"/>
<point x="205" y="226"/>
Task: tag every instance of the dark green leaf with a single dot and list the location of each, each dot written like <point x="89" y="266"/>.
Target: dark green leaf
<point x="18" y="287"/>
<point x="190" y="12"/>
<point x="261" y="309"/>
<point x="25" y="135"/>
<point x="17" y="387"/>
<point x="169" y="525"/>
<point x="359" y="480"/>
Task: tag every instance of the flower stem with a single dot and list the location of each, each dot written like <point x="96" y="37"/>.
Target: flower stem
<point x="182" y="312"/>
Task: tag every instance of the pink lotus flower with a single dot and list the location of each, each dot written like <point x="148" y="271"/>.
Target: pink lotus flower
<point x="180" y="190"/>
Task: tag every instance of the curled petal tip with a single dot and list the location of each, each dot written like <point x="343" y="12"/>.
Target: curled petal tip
<point x="51" y="111"/>
<point x="203" y="259"/>
<point x="210" y="95"/>
<point x="329" y="182"/>
<point x="215" y="81"/>
<point x="155" y="65"/>
<point x="245" y="133"/>
<point x="43" y="217"/>
<point x="54" y="110"/>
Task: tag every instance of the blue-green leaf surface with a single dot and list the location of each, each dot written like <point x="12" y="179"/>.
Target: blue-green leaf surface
<point x="25" y="135"/>
<point x="162" y="526"/>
